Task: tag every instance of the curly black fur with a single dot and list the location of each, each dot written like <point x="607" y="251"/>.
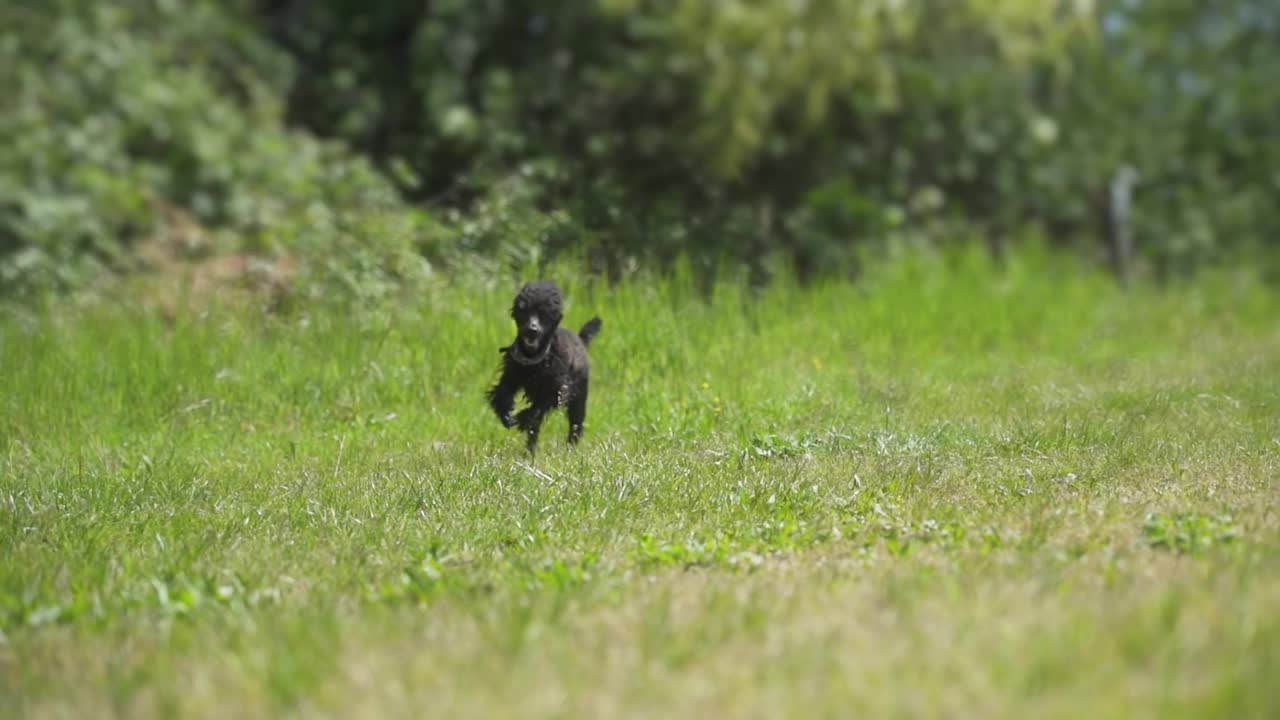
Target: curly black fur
<point x="546" y="362"/>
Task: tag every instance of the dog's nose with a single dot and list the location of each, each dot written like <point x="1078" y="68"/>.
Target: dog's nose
<point x="535" y="324"/>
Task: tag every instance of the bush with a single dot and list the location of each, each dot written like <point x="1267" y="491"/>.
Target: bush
<point x="151" y="129"/>
<point x="631" y="131"/>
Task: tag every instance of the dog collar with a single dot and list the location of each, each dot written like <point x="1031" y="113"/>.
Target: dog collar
<point x="513" y="352"/>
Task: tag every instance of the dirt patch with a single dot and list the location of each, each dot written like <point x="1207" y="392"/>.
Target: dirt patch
<point x="178" y="269"/>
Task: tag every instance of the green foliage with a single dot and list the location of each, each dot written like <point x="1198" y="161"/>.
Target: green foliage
<point x="774" y="133"/>
<point x="1188" y="532"/>
<point x="175" y="111"/>
<point x="736" y="129"/>
<point x="1178" y="90"/>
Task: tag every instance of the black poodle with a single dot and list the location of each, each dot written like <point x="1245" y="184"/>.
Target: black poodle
<point x="547" y="362"/>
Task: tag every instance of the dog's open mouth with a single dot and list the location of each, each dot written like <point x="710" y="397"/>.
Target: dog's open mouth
<point x="526" y="351"/>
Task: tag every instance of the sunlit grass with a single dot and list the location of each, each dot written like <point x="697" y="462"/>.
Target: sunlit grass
<point x="948" y="489"/>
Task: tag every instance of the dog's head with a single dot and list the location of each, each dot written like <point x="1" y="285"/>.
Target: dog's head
<point x="537" y="312"/>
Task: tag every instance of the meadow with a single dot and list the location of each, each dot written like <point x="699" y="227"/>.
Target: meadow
<point x="946" y="490"/>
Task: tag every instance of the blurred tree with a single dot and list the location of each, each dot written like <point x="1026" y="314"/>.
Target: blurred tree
<point x="806" y="130"/>
<point x="134" y="121"/>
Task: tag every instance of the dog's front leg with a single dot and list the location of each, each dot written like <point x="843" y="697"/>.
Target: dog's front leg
<point x="502" y="398"/>
<point x="530" y="421"/>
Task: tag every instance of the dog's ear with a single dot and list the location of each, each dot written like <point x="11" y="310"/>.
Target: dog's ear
<point x="521" y="300"/>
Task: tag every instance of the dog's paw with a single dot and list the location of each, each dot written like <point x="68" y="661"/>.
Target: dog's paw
<point x="508" y="421"/>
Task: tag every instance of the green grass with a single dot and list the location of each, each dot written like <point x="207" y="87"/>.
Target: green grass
<point x="945" y="491"/>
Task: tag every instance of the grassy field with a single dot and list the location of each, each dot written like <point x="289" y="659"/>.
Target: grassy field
<point x="946" y="491"/>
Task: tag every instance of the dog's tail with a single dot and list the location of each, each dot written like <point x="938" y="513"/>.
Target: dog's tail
<point x="589" y="330"/>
